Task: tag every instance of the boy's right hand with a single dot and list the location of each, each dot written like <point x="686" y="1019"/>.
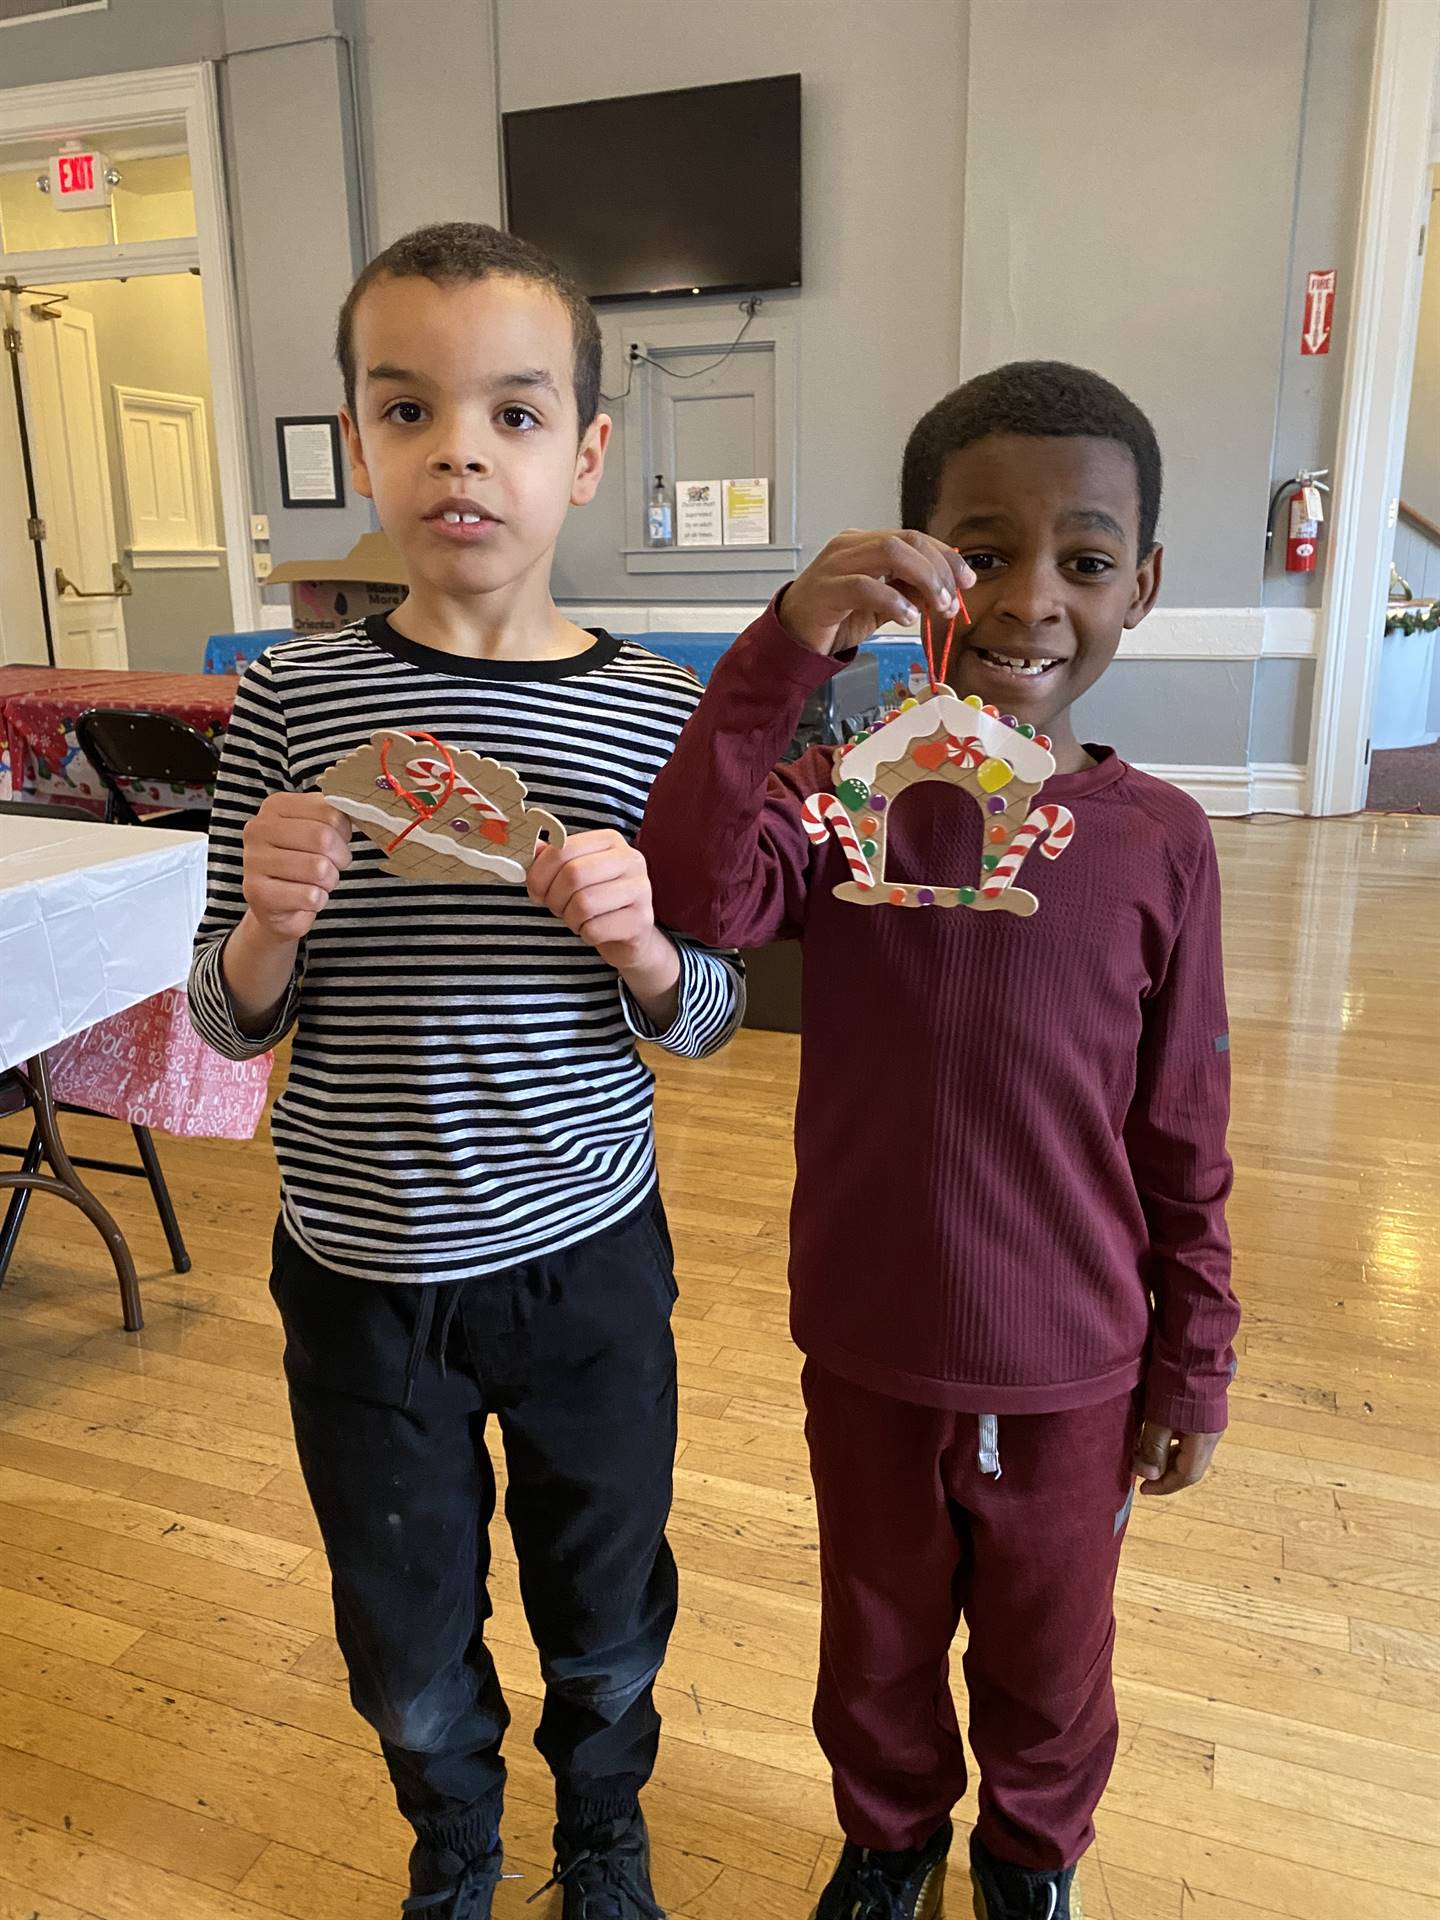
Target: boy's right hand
<point x="296" y="848"/>
<point x="861" y="580"/>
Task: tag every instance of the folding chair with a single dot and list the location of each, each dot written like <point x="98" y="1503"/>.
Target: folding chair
<point x="128" y="746"/>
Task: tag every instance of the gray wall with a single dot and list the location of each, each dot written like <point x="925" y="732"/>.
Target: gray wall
<point x="1280" y="712"/>
<point x="1188" y="713"/>
<point x="433" y="146"/>
<point x="1138" y="220"/>
<point x="884" y="107"/>
<point x="1327" y="212"/>
<point x="1417" y="556"/>
<point x="984" y="178"/>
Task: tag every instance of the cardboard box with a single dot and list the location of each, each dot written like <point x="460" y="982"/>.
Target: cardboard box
<point x="328" y="594"/>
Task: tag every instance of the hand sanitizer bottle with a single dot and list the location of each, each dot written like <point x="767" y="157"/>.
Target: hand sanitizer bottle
<point x="660" y="520"/>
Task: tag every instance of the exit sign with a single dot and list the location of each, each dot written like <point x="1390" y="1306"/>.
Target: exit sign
<point x="78" y="180"/>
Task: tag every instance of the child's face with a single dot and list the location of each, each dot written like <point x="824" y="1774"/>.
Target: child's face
<point x="465" y="405"/>
<point x="1052" y="528"/>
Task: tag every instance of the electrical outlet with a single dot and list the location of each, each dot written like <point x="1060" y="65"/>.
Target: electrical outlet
<point x="259" y="526"/>
<point x="263" y="566"/>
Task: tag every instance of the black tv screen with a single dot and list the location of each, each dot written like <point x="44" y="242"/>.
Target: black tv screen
<point x="658" y="194"/>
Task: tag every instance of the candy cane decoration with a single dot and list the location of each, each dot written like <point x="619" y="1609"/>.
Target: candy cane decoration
<point x="966" y="753"/>
<point x="431" y="776"/>
<point x="821" y="812"/>
<point x="1052" y="826"/>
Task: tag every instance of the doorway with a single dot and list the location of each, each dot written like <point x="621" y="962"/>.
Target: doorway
<point x="124" y="483"/>
<point x="116" y="406"/>
<point x="1405" y="725"/>
<point x="1401" y="143"/>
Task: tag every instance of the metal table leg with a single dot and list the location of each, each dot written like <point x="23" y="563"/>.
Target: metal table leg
<point x="66" y="1184"/>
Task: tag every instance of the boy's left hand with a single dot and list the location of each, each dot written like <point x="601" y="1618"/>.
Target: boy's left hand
<point x="1168" y="1462"/>
<point x="599" y="885"/>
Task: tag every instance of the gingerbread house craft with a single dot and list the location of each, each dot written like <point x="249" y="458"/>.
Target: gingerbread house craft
<point x="1000" y="762"/>
<point x="441" y="816"/>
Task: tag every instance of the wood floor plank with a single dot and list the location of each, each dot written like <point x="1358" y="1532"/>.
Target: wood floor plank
<point x="169" y="1679"/>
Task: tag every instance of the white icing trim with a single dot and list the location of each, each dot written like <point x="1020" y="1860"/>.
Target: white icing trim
<point x="499" y="864"/>
<point x="890" y="744"/>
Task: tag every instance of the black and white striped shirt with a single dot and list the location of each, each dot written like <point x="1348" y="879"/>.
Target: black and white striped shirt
<point x="465" y="1092"/>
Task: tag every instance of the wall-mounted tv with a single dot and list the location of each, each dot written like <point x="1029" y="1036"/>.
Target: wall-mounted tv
<point x="656" y="195"/>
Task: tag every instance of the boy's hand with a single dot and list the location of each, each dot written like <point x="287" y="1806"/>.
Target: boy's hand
<point x="599" y="885"/>
<point x="1168" y="1462"/>
<point x="296" y="848"/>
<point x="861" y="580"/>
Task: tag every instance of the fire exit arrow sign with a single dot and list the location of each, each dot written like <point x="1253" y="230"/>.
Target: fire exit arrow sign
<point x="1319" y="312"/>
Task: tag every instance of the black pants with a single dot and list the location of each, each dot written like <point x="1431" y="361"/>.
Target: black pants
<point x="390" y="1389"/>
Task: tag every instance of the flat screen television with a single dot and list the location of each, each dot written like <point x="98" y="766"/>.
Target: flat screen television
<point x="660" y="194"/>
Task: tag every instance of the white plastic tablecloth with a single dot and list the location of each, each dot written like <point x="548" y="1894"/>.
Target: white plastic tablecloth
<point x="93" y="919"/>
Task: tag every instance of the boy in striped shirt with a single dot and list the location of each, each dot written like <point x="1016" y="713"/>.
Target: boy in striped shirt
<point x="470" y="1222"/>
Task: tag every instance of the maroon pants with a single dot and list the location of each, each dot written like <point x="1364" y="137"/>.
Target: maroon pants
<point x="915" y="1533"/>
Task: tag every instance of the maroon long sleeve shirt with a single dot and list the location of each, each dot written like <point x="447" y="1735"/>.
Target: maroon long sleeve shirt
<point x="1011" y="1171"/>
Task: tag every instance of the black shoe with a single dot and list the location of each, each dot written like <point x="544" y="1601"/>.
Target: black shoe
<point x="604" y="1873"/>
<point x="888" y="1886"/>
<point x="469" y="1898"/>
<point x="1003" y="1892"/>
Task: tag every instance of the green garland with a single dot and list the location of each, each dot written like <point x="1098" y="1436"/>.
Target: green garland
<point x="1413" y="621"/>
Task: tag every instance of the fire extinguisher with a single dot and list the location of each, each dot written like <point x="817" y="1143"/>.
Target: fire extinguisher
<point x="1305" y="512"/>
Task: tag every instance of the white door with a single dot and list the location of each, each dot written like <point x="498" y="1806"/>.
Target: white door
<point x="72" y="479"/>
<point x="22" y="621"/>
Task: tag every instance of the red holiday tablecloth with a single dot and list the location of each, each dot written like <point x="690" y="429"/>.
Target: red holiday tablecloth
<point x="145" y="1065"/>
<point x="40" y="758"/>
<point x="148" y="1066"/>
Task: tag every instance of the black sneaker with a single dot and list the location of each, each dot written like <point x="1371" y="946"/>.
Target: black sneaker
<point x="604" y="1874"/>
<point x="1003" y="1892"/>
<point x="469" y="1898"/>
<point x="888" y="1886"/>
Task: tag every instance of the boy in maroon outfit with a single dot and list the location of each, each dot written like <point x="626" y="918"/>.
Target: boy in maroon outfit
<point x="1009" y="1261"/>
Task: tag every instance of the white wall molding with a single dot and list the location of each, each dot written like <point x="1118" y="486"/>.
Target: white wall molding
<point x="1276" y="787"/>
<point x="1291" y="633"/>
<point x="1197" y="633"/>
<point x="1171" y="633"/>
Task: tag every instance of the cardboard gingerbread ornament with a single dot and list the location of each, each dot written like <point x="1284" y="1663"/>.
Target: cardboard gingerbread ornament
<point x="441" y="816"/>
<point x="939" y="738"/>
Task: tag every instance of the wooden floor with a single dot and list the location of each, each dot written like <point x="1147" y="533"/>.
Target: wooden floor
<point x="175" y="1741"/>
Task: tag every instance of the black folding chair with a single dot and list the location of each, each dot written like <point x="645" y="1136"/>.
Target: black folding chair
<point x="131" y="747"/>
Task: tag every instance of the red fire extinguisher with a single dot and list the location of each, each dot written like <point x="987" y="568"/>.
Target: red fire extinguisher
<point x="1304" y="534"/>
<point x="1306" y="511"/>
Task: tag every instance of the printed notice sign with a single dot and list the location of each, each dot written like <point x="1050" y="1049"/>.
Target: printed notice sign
<point x="697" y="513"/>
<point x="747" y="513"/>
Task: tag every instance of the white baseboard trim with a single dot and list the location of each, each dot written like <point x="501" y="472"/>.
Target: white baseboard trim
<point x="1274" y="787"/>
<point x="1171" y="633"/>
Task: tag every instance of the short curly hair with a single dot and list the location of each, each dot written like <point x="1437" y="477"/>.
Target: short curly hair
<point x="1041" y="399"/>
<point x="461" y="250"/>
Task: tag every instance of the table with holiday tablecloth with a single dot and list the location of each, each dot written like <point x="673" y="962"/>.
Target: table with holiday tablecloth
<point x="40" y="758"/>
<point x="96" y="925"/>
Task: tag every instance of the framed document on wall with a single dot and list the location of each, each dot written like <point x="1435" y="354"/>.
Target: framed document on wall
<point x="311" y="474"/>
